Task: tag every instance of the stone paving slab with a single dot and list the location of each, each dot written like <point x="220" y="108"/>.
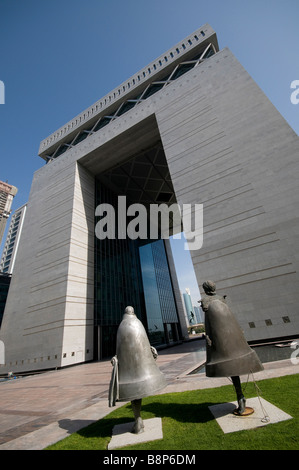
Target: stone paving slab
<point x="122" y="435"/>
<point x="264" y="413"/>
<point x="59" y="429"/>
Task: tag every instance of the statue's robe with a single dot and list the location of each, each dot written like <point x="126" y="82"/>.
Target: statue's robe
<point x="228" y="353"/>
<point x="135" y="373"/>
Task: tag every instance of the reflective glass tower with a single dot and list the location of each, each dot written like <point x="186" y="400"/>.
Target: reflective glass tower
<point x="136" y="273"/>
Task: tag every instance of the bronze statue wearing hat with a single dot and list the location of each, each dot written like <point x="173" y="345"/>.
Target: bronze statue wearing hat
<point x="228" y="353"/>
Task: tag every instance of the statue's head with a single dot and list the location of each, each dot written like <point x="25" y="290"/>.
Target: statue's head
<point x="209" y="287"/>
<point x="129" y="311"/>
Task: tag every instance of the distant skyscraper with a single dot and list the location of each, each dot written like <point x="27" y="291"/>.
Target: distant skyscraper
<point x="12" y="241"/>
<point x="7" y="193"/>
<point x="194" y="314"/>
<point x="189" y="308"/>
<point x="198" y="314"/>
<point x="185" y="311"/>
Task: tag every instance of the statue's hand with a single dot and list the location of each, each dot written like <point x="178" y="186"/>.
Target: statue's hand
<point x="154" y="352"/>
<point x="114" y="360"/>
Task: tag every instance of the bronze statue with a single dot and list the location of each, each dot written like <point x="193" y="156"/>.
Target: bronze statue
<point x="135" y="373"/>
<point x="228" y="353"/>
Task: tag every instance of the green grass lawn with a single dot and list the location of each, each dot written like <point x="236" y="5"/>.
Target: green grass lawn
<point x="189" y="425"/>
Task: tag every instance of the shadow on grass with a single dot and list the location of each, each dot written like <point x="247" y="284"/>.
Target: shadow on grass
<point x="189" y="424"/>
<point x="84" y="428"/>
<point x="182" y="412"/>
<point x="185" y="413"/>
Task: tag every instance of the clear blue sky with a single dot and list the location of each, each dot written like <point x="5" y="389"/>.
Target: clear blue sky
<point x="57" y="57"/>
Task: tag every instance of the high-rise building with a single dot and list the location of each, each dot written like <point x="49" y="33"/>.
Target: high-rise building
<point x="198" y="312"/>
<point x="7" y="193"/>
<point x="189" y="307"/>
<point x="12" y="240"/>
<point x="185" y="311"/>
<point x="192" y="127"/>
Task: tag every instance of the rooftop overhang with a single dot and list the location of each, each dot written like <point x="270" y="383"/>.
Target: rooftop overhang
<point x="183" y="51"/>
<point x="133" y="164"/>
<point x="116" y="150"/>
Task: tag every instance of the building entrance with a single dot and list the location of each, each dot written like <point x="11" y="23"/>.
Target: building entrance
<point x="135" y="271"/>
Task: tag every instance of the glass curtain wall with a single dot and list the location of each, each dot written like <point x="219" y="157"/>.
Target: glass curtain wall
<point x="117" y="281"/>
<point x="163" y="324"/>
<point x="4" y="287"/>
<point x="151" y="295"/>
<point x="128" y="272"/>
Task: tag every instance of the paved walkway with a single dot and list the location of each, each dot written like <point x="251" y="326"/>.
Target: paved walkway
<point x="39" y="410"/>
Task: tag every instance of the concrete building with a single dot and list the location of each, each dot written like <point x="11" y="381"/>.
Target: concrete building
<point x="7" y="193"/>
<point x="195" y="112"/>
<point x="12" y="240"/>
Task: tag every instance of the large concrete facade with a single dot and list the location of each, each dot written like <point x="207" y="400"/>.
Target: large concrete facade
<point x="226" y="146"/>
